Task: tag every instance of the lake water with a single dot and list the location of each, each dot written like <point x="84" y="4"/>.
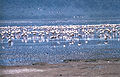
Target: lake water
<point x="25" y="45"/>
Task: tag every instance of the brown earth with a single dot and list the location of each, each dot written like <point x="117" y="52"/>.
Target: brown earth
<point x="99" y="68"/>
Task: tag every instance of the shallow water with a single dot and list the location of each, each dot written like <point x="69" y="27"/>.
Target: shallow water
<point x="35" y="48"/>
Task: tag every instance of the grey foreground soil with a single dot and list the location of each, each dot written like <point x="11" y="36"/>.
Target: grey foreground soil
<point x="101" y="68"/>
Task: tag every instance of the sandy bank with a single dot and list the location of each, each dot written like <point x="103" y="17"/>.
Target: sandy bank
<point x="99" y="68"/>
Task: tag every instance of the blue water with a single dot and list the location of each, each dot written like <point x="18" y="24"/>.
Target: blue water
<point x="56" y="50"/>
<point x="28" y="53"/>
<point x="24" y="13"/>
<point x="60" y="10"/>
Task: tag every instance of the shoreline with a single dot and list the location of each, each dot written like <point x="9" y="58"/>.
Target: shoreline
<point x="89" y="68"/>
<point x="68" y="61"/>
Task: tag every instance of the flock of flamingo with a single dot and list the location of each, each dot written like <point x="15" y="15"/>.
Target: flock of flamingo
<point x="69" y="33"/>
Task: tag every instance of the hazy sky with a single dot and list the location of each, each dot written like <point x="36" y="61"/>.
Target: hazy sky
<point x="59" y="9"/>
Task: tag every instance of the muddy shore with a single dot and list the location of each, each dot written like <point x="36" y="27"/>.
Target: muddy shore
<point x="70" y="68"/>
